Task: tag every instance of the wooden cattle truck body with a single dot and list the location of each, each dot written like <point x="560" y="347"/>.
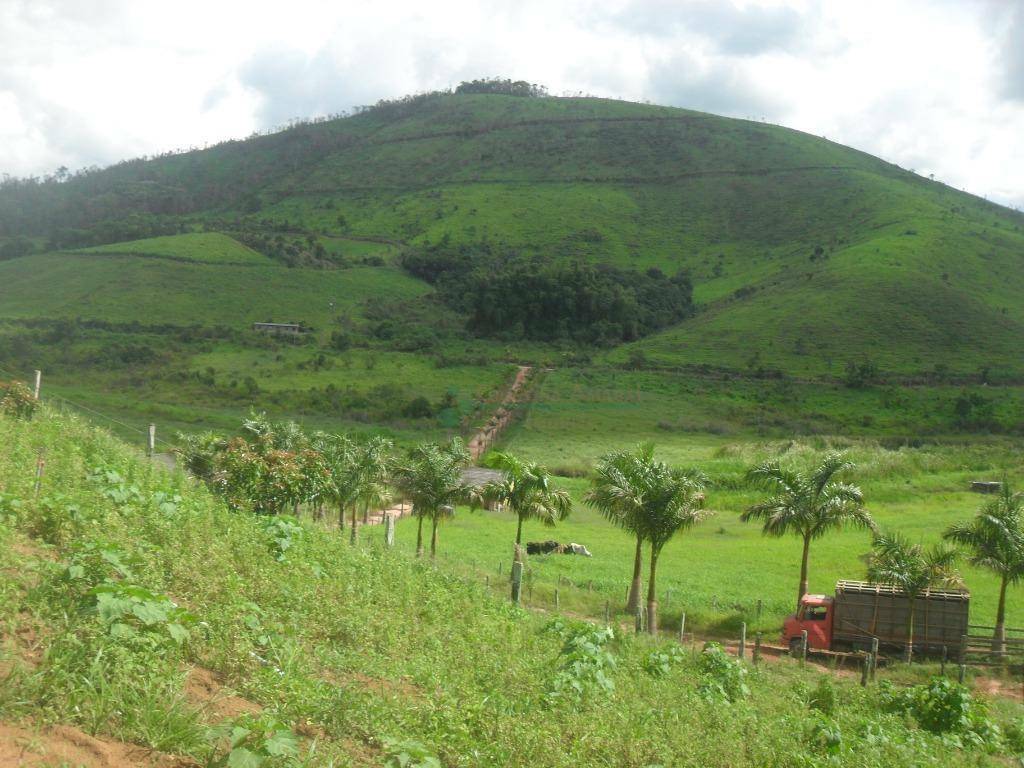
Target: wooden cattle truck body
<point x="861" y="612"/>
<point x="864" y="611"/>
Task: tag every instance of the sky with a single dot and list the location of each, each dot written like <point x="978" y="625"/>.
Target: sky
<point x="932" y="85"/>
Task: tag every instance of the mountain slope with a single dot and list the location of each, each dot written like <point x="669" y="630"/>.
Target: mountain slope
<point x="805" y="255"/>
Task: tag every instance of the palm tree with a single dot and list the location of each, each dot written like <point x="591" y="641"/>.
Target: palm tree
<point x="617" y="492"/>
<point x="913" y="569"/>
<point x="526" y="491"/>
<point x="340" y="455"/>
<point x="372" y="463"/>
<point x="995" y="539"/>
<point x="808" y="505"/>
<point x="431" y="478"/>
<point x="673" y="501"/>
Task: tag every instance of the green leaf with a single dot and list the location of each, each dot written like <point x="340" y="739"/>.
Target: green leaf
<point x="241" y="757"/>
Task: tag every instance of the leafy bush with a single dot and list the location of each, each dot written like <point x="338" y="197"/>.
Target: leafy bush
<point x="282" y="531"/>
<point x="824" y="697"/>
<point x="17" y="400"/>
<point x="585" y="663"/>
<point x="134" y="613"/>
<point x="722" y="677"/>
<point x="254" y="742"/>
<point x="659" y="663"/>
<point x="408" y="753"/>
<point x="824" y="736"/>
<point x="944" y="707"/>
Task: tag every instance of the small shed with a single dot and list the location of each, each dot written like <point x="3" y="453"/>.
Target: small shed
<point x="288" y="329"/>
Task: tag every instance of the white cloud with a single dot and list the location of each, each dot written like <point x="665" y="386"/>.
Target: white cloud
<point x="933" y="84"/>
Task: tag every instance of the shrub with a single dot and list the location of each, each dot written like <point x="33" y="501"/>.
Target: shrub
<point x="585" y="663"/>
<point x="944" y="707"/>
<point x="254" y="742"/>
<point x="722" y="677"/>
<point x="408" y="753"/>
<point x="659" y="663"/>
<point x="824" y="698"/>
<point x="17" y="400"/>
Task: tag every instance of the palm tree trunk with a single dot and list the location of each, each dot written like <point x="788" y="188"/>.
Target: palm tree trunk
<point x="652" y="595"/>
<point x="355" y="527"/>
<point x="519" y="531"/>
<point x="633" y="599"/>
<point x="908" y="652"/>
<point x="419" y="536"/>
<point x="433" y="539"/>
<point x="803" y="571"/>
<point x="999" y="638"/>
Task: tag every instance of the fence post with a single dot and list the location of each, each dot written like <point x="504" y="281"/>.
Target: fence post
<point x="39" y="384"/>
<point x="874" y="657"/>
<point x="743" y="640"/>
<point x="638" y="620"/>
<point x="759" y="607"/>
<point x="487" y="581"/>
<point x="389" y="530"/>
<point x="556" y="598"/>
<point x="757" y="648"/>
<point x="961" y="673"/>
<point x="151" y="442"/>
<point x="865" y="670"/>
<point x="682" y="626"/>
<point x="517" y="581"/>
<point x="803" y="647"/>
<point x="499" y="567"/>
<point x="945" y="653"/>
<point x="40" y="466"/>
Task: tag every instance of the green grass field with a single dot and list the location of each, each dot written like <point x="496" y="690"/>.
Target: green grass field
<point x="206" y="247"/>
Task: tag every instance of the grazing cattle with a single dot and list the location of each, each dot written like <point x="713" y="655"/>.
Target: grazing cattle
<point x="542" y="547"/>
<point x="553" y="547"/>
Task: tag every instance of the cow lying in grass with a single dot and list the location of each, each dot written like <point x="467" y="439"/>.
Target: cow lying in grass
<point x="553" y="547"/>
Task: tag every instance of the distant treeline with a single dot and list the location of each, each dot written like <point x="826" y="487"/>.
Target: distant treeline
<point x="510" y="295"/>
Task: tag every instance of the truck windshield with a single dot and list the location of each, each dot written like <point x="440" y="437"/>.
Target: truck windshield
<point x="815" y="612"/>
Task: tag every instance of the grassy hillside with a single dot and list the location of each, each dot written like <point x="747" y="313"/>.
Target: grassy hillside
<point x="137" y="610"/>
<point x="804" y="254"/>
<point x="210" y="247"/>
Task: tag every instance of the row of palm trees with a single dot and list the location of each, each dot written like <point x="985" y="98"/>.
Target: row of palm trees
<point x="653" y="502"/>
<point x="275" y="466"/>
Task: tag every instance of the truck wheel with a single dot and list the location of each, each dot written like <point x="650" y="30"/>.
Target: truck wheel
<point x="794" y="647"/>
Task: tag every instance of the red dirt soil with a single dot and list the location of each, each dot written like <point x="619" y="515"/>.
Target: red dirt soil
<point x="63" y="745"/>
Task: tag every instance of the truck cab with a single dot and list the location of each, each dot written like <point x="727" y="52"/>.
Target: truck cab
<point x="815" y="615"/>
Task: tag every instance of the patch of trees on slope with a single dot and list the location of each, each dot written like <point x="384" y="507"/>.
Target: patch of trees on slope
<point x="510" y="295"/>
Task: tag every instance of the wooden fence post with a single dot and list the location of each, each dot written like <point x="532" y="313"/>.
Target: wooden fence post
<point x="638" y="620"/>
<point x="151" y="442"/>
<point x="865" y="669"/>
<point x="389" y="530"/>
<point x="874" y="657"/>
<point x="743" y="641"/>
<point x="517" y="581"/>
<point x="757" y="648"/>
<point x="40" y="467"/>
<point x="803" y="647"/>
<point x="759" y="607"/>
<point x="39" y="384"/>
<point x="682" y="626"/>
<point x="556" y="598"/>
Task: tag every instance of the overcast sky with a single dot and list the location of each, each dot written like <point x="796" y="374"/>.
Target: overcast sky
<point x="934" y="85"/>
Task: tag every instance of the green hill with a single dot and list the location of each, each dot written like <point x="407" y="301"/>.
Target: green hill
<point x="471" y="229"/>
<point x="802" y="252"/>
<point x="138" y="611"/>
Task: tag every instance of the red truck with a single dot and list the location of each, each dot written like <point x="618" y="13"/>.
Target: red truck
<point x="861" y="612"/>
